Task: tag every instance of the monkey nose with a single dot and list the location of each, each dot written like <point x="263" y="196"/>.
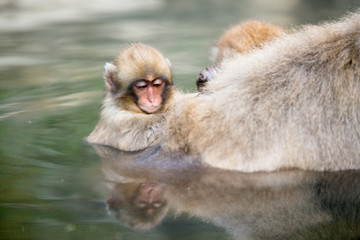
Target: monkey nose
<point x="150" y="96"/>
<point x="150" y="99"/>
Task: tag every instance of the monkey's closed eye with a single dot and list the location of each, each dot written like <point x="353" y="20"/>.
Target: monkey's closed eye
<point x="141" y="85"/>
<point x="157" y="83"/>
<point x="157" y="204"/>
<point x="141" y="204"/>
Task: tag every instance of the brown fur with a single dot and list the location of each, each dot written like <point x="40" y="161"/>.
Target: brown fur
<point x="245" y="37"/>
<point x="240" y="39"/>
<point x="139" y="61"/>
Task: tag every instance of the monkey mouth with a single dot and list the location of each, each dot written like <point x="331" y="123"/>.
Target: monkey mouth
<point x="150" y="108"/>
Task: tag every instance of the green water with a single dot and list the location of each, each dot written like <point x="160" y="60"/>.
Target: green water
<point x="51" y="65"/>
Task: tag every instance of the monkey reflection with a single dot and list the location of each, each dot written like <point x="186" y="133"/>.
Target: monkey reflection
<point x="260" y="206"/>
<point x="239" y="39"/>
<point x="137" y="205"/>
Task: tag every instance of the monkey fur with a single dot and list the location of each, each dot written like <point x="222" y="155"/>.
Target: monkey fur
<point x="294" y="103"/>
<point x="239" y="39"/>
<point x="122" y="123"/>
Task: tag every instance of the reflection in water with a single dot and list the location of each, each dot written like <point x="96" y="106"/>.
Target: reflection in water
<point x="292" y="204"/>
<point x="139" y="205"/>
<point x="51" y="66"/>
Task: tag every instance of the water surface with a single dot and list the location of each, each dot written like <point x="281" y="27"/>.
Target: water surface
<point x="53" y="186"/>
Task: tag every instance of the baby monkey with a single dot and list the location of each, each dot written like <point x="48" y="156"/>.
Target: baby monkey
<point x="138" y="91"/>
<point x="239" y="39"/>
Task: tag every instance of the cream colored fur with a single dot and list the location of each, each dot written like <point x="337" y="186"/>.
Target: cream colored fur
<point x="293" y="104"/>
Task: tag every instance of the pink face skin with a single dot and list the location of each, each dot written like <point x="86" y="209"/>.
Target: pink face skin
<point x="149" y="94"/>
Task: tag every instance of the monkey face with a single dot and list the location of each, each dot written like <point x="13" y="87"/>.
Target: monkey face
<point x="149" y="94"/>
<point x="138" y="205"/>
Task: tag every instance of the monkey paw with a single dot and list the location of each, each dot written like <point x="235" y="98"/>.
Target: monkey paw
<point x="205" y="76"/>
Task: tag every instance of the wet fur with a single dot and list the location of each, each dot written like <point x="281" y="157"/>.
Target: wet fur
<point x="277" y="205"/>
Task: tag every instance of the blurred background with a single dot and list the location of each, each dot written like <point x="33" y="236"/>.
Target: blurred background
<point x="52" y="55"/>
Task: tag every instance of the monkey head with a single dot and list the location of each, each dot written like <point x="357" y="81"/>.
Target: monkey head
<point x="138" y="205"/>
<point x="139" y="78"/>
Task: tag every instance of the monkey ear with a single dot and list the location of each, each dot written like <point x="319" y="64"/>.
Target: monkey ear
<point x="108" y="76"/>
<point x="168" y="61"/>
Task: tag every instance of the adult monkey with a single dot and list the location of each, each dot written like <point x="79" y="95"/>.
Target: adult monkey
<point x="295" y="103"/>
<point x="292" y="104"/>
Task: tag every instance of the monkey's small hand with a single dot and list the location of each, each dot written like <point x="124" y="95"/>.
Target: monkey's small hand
<point x="205" y="76"/>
